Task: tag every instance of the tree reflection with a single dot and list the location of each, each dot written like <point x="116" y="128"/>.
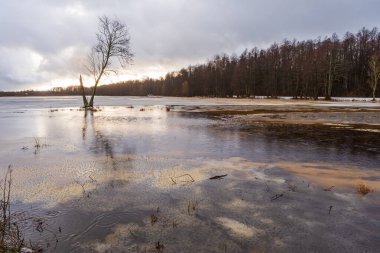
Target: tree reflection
<point x="99" y="142"/>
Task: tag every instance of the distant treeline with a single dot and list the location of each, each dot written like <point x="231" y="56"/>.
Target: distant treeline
<point x="301" y="69"/>
<point x="25" y="93"/>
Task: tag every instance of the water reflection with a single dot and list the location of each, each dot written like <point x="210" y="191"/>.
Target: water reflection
<point x="234" y="214"/>
<point x="299" y="143"/>
<point x="100" y="142"/>
<point x="105" y="175"/>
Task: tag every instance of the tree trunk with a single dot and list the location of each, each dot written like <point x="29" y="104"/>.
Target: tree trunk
<point x="374" y="89"/>
<point x="85" y="103"/>
<point x="91" y="104"/>
<point x="329" y="81"/>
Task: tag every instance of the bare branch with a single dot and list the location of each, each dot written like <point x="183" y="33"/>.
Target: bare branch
<point x="113" y="41"/>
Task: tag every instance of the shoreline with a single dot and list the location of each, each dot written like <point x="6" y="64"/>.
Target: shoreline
<point x="333" y="99"/>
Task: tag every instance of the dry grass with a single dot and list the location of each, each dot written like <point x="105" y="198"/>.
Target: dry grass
<point x="363" y="189"/>
<point x="153" y="219"/>
<point x="10" y="235"/>
<point x="192" y="206"/>
<point x="37" y="143"/>
<point x="159" y="247"/>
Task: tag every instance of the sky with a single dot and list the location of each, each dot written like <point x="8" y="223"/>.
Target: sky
<point x="44" y="43"/>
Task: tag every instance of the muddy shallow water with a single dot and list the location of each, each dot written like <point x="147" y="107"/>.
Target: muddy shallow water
<point x="134" y="177"/>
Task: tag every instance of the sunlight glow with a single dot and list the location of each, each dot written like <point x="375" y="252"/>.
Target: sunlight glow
<point x="127" y="75"/>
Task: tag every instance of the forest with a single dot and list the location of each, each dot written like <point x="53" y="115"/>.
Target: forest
<point x="329" y="67"/>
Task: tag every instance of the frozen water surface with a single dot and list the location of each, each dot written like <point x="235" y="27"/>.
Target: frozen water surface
<point x="133" y="174"/>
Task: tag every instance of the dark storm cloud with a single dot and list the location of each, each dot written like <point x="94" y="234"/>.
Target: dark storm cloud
<point x="42" y="41"/>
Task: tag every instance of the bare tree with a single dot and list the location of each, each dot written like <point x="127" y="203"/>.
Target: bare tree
<point x="113" y="42"/>
<point x="374" y="73"/>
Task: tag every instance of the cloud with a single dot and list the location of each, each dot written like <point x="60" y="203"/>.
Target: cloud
<point x="42" y="41"/>
<point x="21" y="64"/>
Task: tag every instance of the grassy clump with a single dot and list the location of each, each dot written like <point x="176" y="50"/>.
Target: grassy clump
<point x="363" y="189"/>
<point x="10" y="235"/>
